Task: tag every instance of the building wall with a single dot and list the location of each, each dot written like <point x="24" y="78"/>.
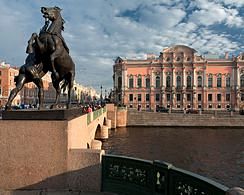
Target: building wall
<point x="7" y="83"/>
<point x="179" y="63"/>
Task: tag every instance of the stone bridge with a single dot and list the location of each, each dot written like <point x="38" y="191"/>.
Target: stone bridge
<point x="54" y="152"/>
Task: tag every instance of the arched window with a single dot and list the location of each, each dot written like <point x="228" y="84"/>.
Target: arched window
<point x="227" y="82"/>
<point x="210" y="81"/>
<point x="242" y="80"/>
<point x="119" y="82"/>
<point x="157" y="82"/>
<point x="139" y="82"/>
<point x="147" y="82"/>
<point x="178" y="81"/>
<point x="219" y="82"/>
<point x="131" y="82"/>
<point x="168" y="81"/>
<point x="188" y="82"/>
<point x="199" y="81"/>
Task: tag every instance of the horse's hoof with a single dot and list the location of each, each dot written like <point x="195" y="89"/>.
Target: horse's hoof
<point x="53" y="106"/>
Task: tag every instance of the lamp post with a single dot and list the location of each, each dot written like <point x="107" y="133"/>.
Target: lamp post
<point x="101" y="96"/>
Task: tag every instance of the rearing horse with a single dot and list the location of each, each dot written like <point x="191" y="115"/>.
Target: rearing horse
<point x="53" y="51"/>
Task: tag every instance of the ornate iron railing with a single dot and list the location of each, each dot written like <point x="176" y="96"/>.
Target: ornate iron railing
<point x="89" y="118"/>
<point x="132" y="176"/>
<point x="97" y="113"/>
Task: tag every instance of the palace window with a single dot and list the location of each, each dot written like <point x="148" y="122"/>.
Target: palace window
<point x="210" y="82"/>
<point x="219" y="97"/>
<point x="242" y="80"/>
<point x="131" y="82"/>
<point x="210" y="97"/>
<point x="199" y="97"/>
<point x="147" y="82"/>
<point x="219" y="82"/>
<point x="147" y="97"/>
<point x="119" y="82"/>
<point x="227" y="82"/>
<point x="178" y="81"/>
<point x="139" y="97"/>
<point x="157" y="97"/>
<point x="157" y="82"/>
<point x="168" y="97"/>
<point x="227" y="97"/>
<point x="139" y="83"/>
<point x="168" y="81"/>
<point x="188" y="82"/>
<point x="131" y="97"/>
<point x="199" y="81"/>
<point x="188" y="97"/>
<point x="119" y="97"/>
<point x="242" y="97"/>
<point x="178" y="97"/>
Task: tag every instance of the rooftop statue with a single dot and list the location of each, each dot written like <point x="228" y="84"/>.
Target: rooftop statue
<point x="47" y="51"/>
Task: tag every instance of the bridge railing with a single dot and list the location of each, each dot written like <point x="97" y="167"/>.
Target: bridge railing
<point x="126" y="176"/>
<point x="95" y="114"/>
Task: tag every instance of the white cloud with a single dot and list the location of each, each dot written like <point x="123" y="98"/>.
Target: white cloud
<point x="210" y="13"/>
<point x="96" y="34"/>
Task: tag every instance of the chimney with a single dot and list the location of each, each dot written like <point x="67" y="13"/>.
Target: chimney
<point x="226" y="55"/>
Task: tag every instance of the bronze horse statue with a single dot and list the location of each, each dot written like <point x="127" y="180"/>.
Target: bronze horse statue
<point x="50" y="53"/>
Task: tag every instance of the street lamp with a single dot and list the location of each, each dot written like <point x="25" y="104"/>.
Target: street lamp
<point x="101" y="96"/>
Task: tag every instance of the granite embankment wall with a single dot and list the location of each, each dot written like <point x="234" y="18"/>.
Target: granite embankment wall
<point x="135" y="118"/>
<point x="50" y="154"/>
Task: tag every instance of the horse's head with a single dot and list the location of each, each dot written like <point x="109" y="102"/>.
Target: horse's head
<point x="51" y="13"/>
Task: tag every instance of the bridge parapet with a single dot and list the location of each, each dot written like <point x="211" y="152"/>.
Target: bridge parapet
<point x="125" y="175"/>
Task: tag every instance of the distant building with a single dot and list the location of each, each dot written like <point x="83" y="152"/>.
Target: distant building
<point x="7" y="74"/>
<point x="179" y="78"/>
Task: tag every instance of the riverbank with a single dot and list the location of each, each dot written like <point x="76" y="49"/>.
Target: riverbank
<point x="143" y="118"/>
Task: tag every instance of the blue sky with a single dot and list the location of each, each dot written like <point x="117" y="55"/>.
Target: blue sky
<point x="97" y="31"/>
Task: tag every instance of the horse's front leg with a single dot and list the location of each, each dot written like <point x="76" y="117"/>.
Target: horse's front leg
<point x="40" y="45"/>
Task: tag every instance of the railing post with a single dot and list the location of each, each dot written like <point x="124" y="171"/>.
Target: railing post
<point x="161" y="177"/>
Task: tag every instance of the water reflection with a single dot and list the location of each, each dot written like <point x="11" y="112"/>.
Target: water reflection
<point x="214" y="153"/>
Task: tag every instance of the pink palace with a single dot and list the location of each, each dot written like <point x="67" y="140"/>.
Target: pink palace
<point x="179" y="78"/>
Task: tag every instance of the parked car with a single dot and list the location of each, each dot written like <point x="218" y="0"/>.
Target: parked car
<point x="192" y="111"/>
<point x="162" y="109"/>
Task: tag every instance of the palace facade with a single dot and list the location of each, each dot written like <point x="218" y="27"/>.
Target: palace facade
<point x="180" y="78"/>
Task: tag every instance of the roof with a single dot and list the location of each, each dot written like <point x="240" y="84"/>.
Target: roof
<point x="179" y="48"/>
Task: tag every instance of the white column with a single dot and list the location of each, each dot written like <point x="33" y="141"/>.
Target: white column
<point x="125" y="79"/>
<point x="163" y="78"/>
<point x="238" y="76"/>
<point x="173" y="76"/>
<point x="204" y="78"/>
<point x="194" y="77"/>
<point x="232" y="84"/>
<point x="184" y="77"/>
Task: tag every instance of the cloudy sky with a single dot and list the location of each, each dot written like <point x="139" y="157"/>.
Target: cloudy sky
<point x="97" y="31"/>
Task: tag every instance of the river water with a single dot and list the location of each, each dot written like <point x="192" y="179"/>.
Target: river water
<point x="215" y="153"/>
